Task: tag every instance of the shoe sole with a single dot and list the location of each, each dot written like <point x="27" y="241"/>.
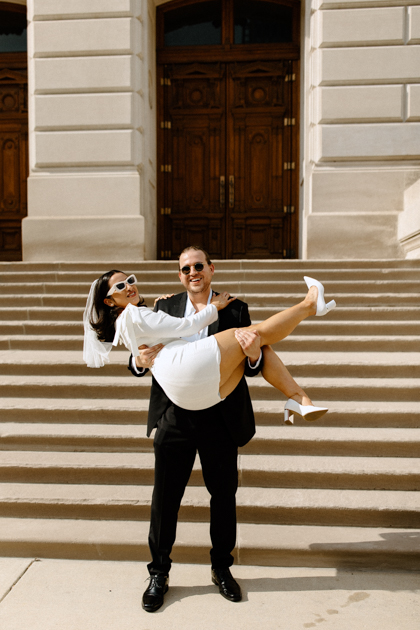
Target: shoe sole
<point x="311" y="417"/>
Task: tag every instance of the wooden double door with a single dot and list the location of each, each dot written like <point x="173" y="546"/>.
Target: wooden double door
<point x="228" y="158"/>
<point x="13" y="153"/>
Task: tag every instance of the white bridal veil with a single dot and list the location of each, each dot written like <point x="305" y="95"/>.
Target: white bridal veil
<point x="95" y="352"/>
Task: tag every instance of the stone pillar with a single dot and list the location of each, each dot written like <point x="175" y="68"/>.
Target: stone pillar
<point x="363" y="125"/>
<point x="409" y="221"/>
<point x="90" y="115"/>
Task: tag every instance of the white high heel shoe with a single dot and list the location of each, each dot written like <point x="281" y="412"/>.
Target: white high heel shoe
<point x="321" y="307"/>
<point x="309" y="412"/>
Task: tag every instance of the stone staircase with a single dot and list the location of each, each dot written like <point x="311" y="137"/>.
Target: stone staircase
<point x="76" y="469"/>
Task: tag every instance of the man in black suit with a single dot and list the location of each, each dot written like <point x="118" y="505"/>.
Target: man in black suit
<point x="215" y="433"/>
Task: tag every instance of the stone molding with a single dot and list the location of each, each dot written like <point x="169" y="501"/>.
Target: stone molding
<point x="411" y="245"/>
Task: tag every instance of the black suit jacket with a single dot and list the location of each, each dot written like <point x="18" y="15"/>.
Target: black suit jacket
<point x="236" y="410"/>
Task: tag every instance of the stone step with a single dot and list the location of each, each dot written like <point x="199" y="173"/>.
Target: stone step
<point x="301" y="364"/>
<point x="350" y="314"/>
<point x="334" y="441"/>
<point x="38" y="436"/>
<point x="294" y="343"/>
<point x="343" y="389"/>
<point x="41" y="314"/>
<point x="329" y="472"/>
<point x="350" y="343"/>
<point x="356" y="413"/>
<point x="313" y="327"/>
<point x="270" y="545"/>
<point x="275" y="274"/>
<point x="302" y="440"/>
<point x="305" y="265"/>
<point x="358" y="465"/>
<point x="286" y="506"/>
<point x="255" y="299"/>
<point x="303" y="370"/>
<point x="348" y="364"/>
<point x="268" y="471"/>
<point x="333" y="289"/>
<point x="94" y="387"/>
<point x="367" y="314"/>
<point x="73" y="410"/>
<point x="281" y="506"/>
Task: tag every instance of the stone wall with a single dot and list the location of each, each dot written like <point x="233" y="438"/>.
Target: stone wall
<point x="92" y="125"/>
<point x="362" y="128"/>
<point x="92" y="131"/>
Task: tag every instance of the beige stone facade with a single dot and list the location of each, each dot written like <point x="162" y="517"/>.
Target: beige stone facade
<point x="362" y="133"/>
<point x="92" y="131"/>
<point x="92" y="183"/>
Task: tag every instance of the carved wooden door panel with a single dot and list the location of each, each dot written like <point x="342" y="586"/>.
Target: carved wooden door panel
<point x="261" y="161"/>
<point x="227" y="152"/>
<point x="13" y="161"/>
<point x="192" y="154"/>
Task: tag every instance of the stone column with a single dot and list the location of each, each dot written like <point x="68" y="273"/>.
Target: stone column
<point x="409" y="221"/>
<point x="364" y="120"/>
<point x="89" y="113"/>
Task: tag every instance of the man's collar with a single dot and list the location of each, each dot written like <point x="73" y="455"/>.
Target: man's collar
<point x="189" y="307"/>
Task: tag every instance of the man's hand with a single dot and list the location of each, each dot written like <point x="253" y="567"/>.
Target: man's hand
<point x="250" y="342"/>
<point x="148" y="355"/>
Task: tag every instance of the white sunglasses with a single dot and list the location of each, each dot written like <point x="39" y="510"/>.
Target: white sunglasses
<point x="120" y="286"/>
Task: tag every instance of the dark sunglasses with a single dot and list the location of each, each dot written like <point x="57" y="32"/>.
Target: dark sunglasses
<point x="198" y="267"/>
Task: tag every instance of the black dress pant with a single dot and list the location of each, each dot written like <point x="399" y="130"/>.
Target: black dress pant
<point x="180" y="434"/>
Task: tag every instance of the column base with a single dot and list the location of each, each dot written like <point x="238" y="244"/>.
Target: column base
<point x="78" y="238"/>
<point x="353" y="236"/>
<point x="411" y="246"/>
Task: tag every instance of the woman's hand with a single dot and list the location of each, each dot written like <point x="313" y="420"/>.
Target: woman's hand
<point x="222" y="300"/>
<point x="163" y="297"/>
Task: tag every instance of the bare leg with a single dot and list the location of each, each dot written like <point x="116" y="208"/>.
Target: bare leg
<point x="233" y="380"/>
<point x="276" y="373"/>
<point x="272" y="330"/>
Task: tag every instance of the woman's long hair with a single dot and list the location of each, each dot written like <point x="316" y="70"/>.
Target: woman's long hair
<point x="103" y="317"/>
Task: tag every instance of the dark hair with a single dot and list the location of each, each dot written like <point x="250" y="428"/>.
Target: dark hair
<point x="103" y="317"/>
<point x="196" y="248"/>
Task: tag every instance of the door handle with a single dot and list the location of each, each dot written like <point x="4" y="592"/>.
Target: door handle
<point x="231" y="191"/>
<point x="222" y="192"/>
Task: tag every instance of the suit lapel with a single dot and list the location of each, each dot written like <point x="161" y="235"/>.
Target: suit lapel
<point x="176" y="308"/>
<point x="214" y="327"/>
<point x="177" y="305"/>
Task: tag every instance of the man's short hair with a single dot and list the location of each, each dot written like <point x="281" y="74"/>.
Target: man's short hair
<point x="196" y="248"/>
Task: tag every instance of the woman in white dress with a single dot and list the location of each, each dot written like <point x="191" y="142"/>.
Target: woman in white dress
<point x="194" y="375"/>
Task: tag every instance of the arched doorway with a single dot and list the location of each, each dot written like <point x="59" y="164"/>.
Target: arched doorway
<point x="13" y="128"/>
<point x="228" y="103"/>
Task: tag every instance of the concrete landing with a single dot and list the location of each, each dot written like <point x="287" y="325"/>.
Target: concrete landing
<point x="86" y="595"/>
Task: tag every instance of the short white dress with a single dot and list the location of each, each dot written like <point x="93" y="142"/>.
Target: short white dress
<point x="188" y="372"/>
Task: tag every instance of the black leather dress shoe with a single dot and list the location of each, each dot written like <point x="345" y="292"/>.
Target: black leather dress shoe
<point x="228" y="586"/>
<point x="154" y="593"/>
